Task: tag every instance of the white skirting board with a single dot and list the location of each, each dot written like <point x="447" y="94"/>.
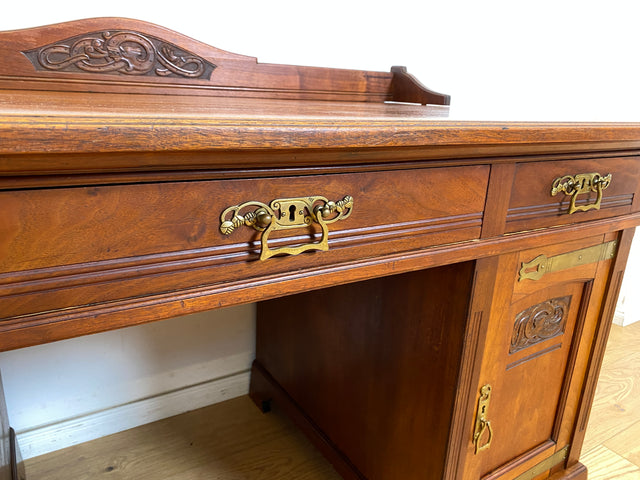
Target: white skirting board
<point x="628" y="308"/>
<point x="88" y="427"/>
<point x="624" y="316"/>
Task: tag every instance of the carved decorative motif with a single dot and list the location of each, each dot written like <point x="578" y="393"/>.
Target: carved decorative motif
<point x="120" y="52"/>
<point x="539" y="323"/>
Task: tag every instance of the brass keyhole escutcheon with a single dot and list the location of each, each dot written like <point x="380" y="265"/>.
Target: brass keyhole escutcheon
<point x="483" y="432"/>
<point x="286" y="214"/>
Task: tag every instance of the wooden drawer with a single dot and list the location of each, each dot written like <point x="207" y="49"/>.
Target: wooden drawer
<point x="72" y="247"/>
<point x="533" y="206"/>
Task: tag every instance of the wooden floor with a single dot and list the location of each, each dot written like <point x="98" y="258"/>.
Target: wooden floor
<point x="612" y="445"/>
<point x="234" y="441"/>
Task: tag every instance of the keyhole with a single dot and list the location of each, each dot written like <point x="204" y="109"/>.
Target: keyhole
<point x="292" y="213"/>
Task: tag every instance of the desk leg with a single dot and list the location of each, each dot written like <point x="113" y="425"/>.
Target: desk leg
<point x="17" y="465"/>
<point x="11" y="465"/>
<point x="265" y="389"/>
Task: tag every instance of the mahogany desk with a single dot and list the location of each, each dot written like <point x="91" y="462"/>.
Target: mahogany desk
<point x="435" y="294"/>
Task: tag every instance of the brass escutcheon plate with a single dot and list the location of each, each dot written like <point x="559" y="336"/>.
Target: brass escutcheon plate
<point x="541" y="265"/>
<point x="483" y="432"/>
<point x="286" y="214"/>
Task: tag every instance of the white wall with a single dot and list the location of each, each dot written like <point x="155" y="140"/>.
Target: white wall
<point x="564" y="60"/>
<point x="75" y="390"/>
<point x="628" y="309"/>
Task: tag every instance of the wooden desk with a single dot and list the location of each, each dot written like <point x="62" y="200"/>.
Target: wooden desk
<point x="430" y="304"/>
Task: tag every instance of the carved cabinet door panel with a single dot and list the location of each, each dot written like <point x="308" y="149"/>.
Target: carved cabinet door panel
<point x="541" y="323"/>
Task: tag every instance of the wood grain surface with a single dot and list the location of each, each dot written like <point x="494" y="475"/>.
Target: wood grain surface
<point x="232" y="440"/>
<point x="611" y="448"/>
<point x="374" y="365"/>
<point x="212" y="124"/>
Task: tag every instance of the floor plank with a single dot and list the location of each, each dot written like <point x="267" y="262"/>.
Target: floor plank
<point x="617" y="400"/>
<point x="603" y="464"/>
<point x="231" y="440"/>
<point x="611" y="448"/>
<point x="627" y="443"/>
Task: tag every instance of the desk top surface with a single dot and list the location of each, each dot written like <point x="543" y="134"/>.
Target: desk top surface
<point x="71" y="122"/>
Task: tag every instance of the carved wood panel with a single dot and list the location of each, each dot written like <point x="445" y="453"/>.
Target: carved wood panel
<point x="539" y="322"/>
<point x="119" y="52"/>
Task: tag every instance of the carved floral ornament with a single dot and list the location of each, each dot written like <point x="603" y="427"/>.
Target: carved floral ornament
<point x="119" y="52"/>
<point x="539" y="323"/>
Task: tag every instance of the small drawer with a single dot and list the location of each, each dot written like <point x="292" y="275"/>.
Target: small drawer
<point x="71" y="247"/>
<point x="535" y="204"/>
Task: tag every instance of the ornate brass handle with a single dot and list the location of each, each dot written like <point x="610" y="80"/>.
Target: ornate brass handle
<point x="285" y="214"/>
<point x="483" y="426"/>
<point x="579" y="184"/>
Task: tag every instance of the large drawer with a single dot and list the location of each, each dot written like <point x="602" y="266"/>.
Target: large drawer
<point x="534" y="205"/>
<point x="65" y="248"/>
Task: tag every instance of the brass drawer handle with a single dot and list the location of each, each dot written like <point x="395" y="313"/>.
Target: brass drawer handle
<point x="579" y="184"/>
<point x="285" y="214"/>
<point x="483" y="426"/>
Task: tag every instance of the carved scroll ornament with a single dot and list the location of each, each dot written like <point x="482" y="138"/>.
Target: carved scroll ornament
<point x="539" y="323"/>
<point x="119" y="52"/>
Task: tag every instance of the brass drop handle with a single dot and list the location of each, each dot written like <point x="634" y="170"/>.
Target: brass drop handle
<point x="485" y="426"/>
<point x="581" y="183"/>
<point x="285" y="214"/>
<point x="483" y="433"/>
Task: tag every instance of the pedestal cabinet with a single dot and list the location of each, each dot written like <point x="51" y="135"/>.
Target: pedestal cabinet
<point x="542" y="331"/>
<point x="434" y="293"/>
<point x="482" y="364"/>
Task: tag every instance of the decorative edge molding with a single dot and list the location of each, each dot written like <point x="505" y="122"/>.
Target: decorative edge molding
<point x="80" y="275"/>
<point x="120" y="52"/>
<point x="535" y="355"/>
<point x="539" y="323"/>
<point x="67" y="433"/>
<point x="555" y="209"/>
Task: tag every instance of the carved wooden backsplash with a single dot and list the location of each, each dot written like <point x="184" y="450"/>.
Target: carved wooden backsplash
<point x="116" y="55"/>
<point x="119" y="52"/>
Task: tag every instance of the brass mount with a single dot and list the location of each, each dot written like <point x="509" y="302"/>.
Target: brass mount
<point x="285" y="214"/>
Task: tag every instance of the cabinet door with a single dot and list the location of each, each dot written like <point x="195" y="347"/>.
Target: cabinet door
<point x="543" y="316"/>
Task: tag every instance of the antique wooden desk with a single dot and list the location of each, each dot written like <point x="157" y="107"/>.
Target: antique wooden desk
<point x="435" y="294"/>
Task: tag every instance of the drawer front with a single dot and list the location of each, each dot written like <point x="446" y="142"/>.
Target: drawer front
<point x="71" y="247"/>
<point x="534" y="204"/>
